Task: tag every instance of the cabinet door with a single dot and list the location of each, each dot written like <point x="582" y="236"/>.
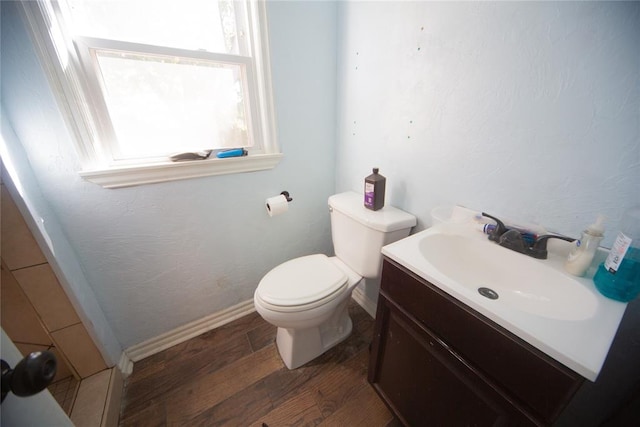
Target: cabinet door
<point x="424" y="383"/>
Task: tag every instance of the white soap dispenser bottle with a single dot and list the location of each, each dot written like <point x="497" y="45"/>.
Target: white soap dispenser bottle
<point x="582" y="253"/>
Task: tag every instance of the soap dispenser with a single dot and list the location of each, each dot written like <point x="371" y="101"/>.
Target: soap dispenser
<point x="585" y="248"/>
<point x="618" y="277"/>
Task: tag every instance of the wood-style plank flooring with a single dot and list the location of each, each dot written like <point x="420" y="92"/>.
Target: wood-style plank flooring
<point x="233" y="376"/>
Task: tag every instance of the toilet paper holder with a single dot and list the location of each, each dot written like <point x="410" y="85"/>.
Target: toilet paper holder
<point x="279" y="204"/>
<point x="286" y="195"/>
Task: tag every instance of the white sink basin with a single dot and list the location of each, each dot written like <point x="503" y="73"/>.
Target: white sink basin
<point x="511" y="278"/>
<point x="562" y="315"/>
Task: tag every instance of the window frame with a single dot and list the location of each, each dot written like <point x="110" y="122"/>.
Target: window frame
<point x="73" y="90"/>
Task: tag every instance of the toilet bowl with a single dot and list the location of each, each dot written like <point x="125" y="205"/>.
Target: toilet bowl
<point x="312" y="321"/>
<point x="307" y="298"/>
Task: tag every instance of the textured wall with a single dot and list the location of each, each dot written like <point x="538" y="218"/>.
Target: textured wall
<point x="162" y="255"/>
<point x="529" y="110"/>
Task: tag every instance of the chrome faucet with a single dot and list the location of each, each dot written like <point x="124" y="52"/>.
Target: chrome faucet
<point x="513" y="239"/>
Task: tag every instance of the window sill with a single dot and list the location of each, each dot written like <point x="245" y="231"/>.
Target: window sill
<point x="126" y="176"/>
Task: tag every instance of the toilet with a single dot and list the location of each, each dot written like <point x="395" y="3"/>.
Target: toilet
<point x="306" y="298"/>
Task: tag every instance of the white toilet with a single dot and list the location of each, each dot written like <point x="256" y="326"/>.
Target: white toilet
<point x="307" y="297"/>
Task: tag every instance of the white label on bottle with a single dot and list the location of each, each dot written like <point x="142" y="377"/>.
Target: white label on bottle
<point x="368" y="193"/>
<point x="618" y="251"/>
<point x="368" y="187"/>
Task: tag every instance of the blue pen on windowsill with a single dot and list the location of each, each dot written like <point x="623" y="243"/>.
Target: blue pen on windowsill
<point x="235" y="152"/>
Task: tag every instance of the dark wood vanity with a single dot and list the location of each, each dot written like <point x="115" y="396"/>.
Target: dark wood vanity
<point x="435" y="361"/>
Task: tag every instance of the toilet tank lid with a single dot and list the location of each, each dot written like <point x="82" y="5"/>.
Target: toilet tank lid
<point x="386" y="219"/>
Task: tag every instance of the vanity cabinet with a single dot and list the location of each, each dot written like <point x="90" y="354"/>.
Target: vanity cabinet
<point x="435" y="361"/>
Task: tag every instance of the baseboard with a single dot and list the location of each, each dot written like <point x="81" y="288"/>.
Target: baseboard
<point x="111" y="414"/>
<point x="183" y="333"/>
<point x="125" y="365"/>
<point x="188" y="331"/>
<point x="364" y="302"/>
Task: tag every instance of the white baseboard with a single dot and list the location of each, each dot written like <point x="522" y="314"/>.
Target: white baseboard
<point x="364" y="302"/>
<point x="183" y="333"/>
<point x="125" y="365"/>
<point x="111" y="413"/>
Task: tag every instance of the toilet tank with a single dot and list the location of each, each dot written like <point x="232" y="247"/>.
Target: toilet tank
<point x="359" y="233"/>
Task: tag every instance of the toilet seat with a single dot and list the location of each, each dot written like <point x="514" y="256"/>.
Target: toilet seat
<point x="301" y="283"/>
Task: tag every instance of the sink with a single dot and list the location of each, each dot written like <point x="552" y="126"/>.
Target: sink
<point x="508" y="277"/>
<point x="537" y="300"/>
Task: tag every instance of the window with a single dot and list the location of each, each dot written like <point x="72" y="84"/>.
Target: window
<point x="141" y="80"/>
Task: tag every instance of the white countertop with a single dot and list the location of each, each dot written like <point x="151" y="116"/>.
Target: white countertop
<point x="581" y="345"/>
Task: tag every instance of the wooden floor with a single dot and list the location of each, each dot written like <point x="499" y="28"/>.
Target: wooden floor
<point x="233" y="376"/>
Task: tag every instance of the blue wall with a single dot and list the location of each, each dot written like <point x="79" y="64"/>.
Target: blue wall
<point x="159" y="256"/>
<point x="527" y="110"/>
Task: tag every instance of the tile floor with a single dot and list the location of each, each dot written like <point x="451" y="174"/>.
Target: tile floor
<point x="65" y="392"/>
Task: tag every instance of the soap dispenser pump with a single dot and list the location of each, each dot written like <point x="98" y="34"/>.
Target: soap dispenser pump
<point x="585" y="248"/>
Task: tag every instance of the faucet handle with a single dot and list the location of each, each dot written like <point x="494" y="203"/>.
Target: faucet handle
<point x="499" y="230"/>
<point x="539" y="247"/>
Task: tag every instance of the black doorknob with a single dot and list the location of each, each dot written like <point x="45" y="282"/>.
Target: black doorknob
<point x="30" y="376"/>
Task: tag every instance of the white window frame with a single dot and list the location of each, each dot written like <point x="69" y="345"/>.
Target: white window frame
<point x="72" y="91"/>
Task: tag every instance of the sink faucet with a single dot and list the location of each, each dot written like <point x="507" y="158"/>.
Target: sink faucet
<point x="498" y="231"/>
<point x="513" y="239"/>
